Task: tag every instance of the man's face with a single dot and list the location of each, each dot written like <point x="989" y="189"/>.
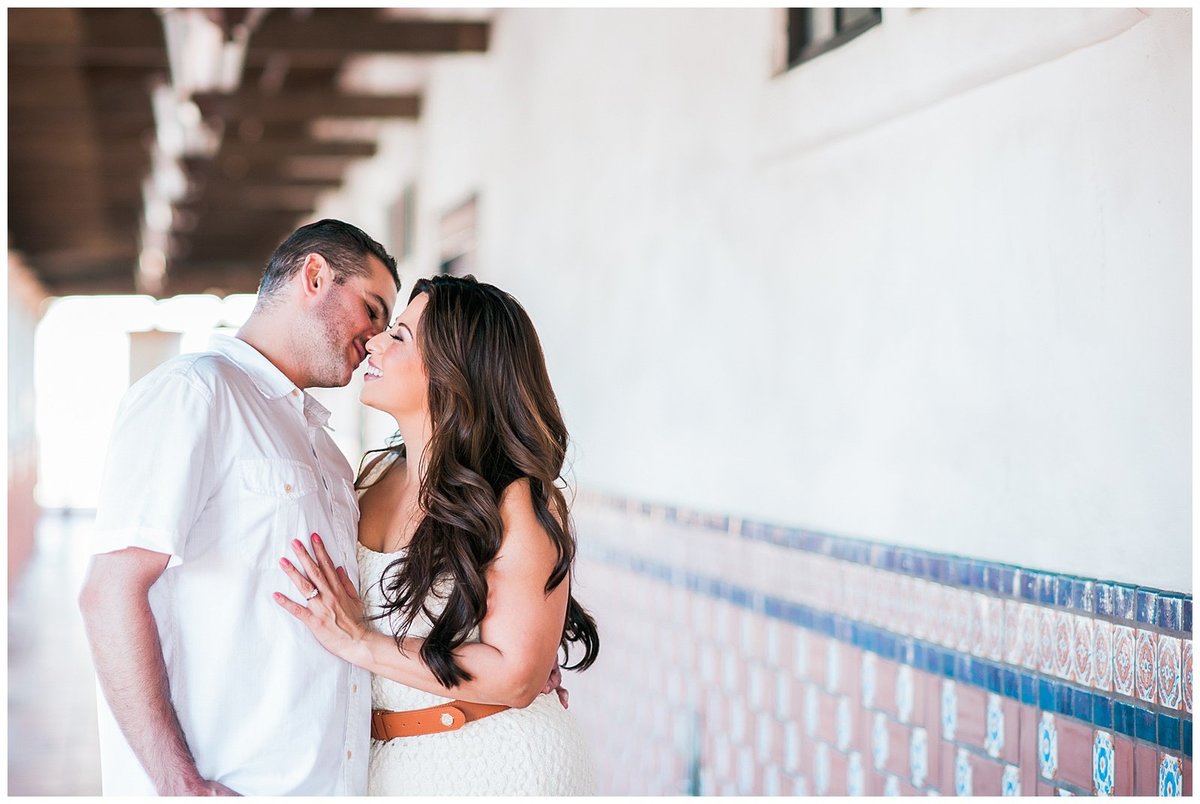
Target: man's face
<point x="347" y="317"/>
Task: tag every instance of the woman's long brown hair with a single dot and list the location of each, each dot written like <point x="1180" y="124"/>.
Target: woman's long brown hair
<point x="495" y="420"/>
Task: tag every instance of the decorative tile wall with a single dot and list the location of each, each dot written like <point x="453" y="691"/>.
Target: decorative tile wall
<point x="740" y="658"/>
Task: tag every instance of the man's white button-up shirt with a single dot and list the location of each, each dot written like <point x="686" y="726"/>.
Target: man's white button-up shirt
<point x="219" y="461"/>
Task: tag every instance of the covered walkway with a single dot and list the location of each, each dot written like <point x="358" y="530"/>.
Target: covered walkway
<point x="52" y="742"/>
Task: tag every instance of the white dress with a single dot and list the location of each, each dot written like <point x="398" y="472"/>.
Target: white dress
<point x="538" y="750"/>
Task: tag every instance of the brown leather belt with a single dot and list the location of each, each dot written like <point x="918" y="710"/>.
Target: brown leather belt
<point x="450" y="716"/>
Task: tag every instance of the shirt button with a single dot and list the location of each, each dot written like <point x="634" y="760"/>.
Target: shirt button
<point x="295" y="392"/>
<point x="287" y="488"/>
<point x="353" y="688"/>
<point x="349" y="755"/>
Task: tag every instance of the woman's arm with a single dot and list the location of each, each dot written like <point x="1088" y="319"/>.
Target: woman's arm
<point x="519" y="635"/>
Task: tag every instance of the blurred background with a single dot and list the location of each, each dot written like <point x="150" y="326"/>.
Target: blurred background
<point x="872" y="327"/>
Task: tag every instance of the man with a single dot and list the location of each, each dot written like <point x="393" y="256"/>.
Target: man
<point x="218" y="460"/>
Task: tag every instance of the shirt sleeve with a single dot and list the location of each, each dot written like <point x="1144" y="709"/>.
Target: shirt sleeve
<point x="158" y="473"/>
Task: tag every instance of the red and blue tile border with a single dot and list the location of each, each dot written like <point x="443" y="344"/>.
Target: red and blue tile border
<point x="1059" y="676"/>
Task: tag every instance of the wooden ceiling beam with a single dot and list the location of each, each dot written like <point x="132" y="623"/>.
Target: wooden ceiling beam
<point x="304" y="106"/>
<point x="45" y="26"/>
<point x="266" y="166"/>
<point x="327" y="35"/>
<point x="133" y="27"/>
<point x="154" y="58"/>
<point x="131" y="117"/>
<point x="283" y="149"/>
<point x="298" y="199"/>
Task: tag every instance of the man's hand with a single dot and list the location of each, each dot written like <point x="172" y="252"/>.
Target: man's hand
<point x="554" y="684"/>
<point x="129" y="666"/>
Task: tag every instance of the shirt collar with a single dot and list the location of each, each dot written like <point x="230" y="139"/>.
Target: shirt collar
<point x="267" y="378"/>
<point x="270" y="381"/>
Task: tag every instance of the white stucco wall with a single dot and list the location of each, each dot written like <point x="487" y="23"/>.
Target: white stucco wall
<point x="932" y="288"/>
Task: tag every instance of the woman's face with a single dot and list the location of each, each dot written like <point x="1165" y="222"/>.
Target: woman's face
<point x="395" y="380"/>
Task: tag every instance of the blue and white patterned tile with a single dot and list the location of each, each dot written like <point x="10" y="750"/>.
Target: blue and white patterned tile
<point x="1169" y="661"/>
<point x="920" y="625"/>
<point x="1012" y="632"/>
<point x="964" y="607"/>
<point x="1103" y="770"/>
<point x="879" y="741"/>
<point x="747" y="631"/>
<point x="1124" y="659"/>
<point x="1064" y="642"/>
<point x="811" y="713"/>
<point x="791" y="747"/>
<point x="1010" y="783"/>
<point x="1170" y="777"/>
<point x="979" y="624"/>
<point x="993" y="739"/>
<point x="745" y="769"/>
<point x="722" y="627"/>
<point x="1145" y="668"/>
<point x="756" y="686"/>
<point x="909" y="601"/>
<point x="772" y="781"/>
<point x="783" y="696"/>
<point x="708" y="663"/>
<point x="1046" y="640"/>
<point x="1081" y="650"/>
<point x="855" y="777"/>
<point x="931" y="612"/>
<point x="904" y="693"/>
<point x="949" y="710"/>
<point x="764" y="739"/>
<point x="845" y="728"/>
<point x="833" y="667"/>
<point x="821" y="769"/>
<point x="891" y="786"/>
<point x="737" y="723"/>
<point x="918" y="757"/>
<point x="723" y="757"/>
<point x="947" y="617"/>
<point x="800" y="654"/>
<point x="962" y="774"/>
<point x="1029" y="623"/>
<point x="774" y="646"/>
<point x="868" y="678"/>
<point x="1047" y="746"/>
<point x="994" y="632"/>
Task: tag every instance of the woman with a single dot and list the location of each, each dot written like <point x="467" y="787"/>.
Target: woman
<point x="465" y="556"/>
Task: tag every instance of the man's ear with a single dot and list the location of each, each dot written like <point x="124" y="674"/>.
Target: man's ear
<point x="315" y="276"/>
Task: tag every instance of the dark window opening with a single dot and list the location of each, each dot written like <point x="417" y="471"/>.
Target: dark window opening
<point x="813" y="31"/>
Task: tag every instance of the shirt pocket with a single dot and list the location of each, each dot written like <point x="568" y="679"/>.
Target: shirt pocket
<point x="275" y="495"/>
